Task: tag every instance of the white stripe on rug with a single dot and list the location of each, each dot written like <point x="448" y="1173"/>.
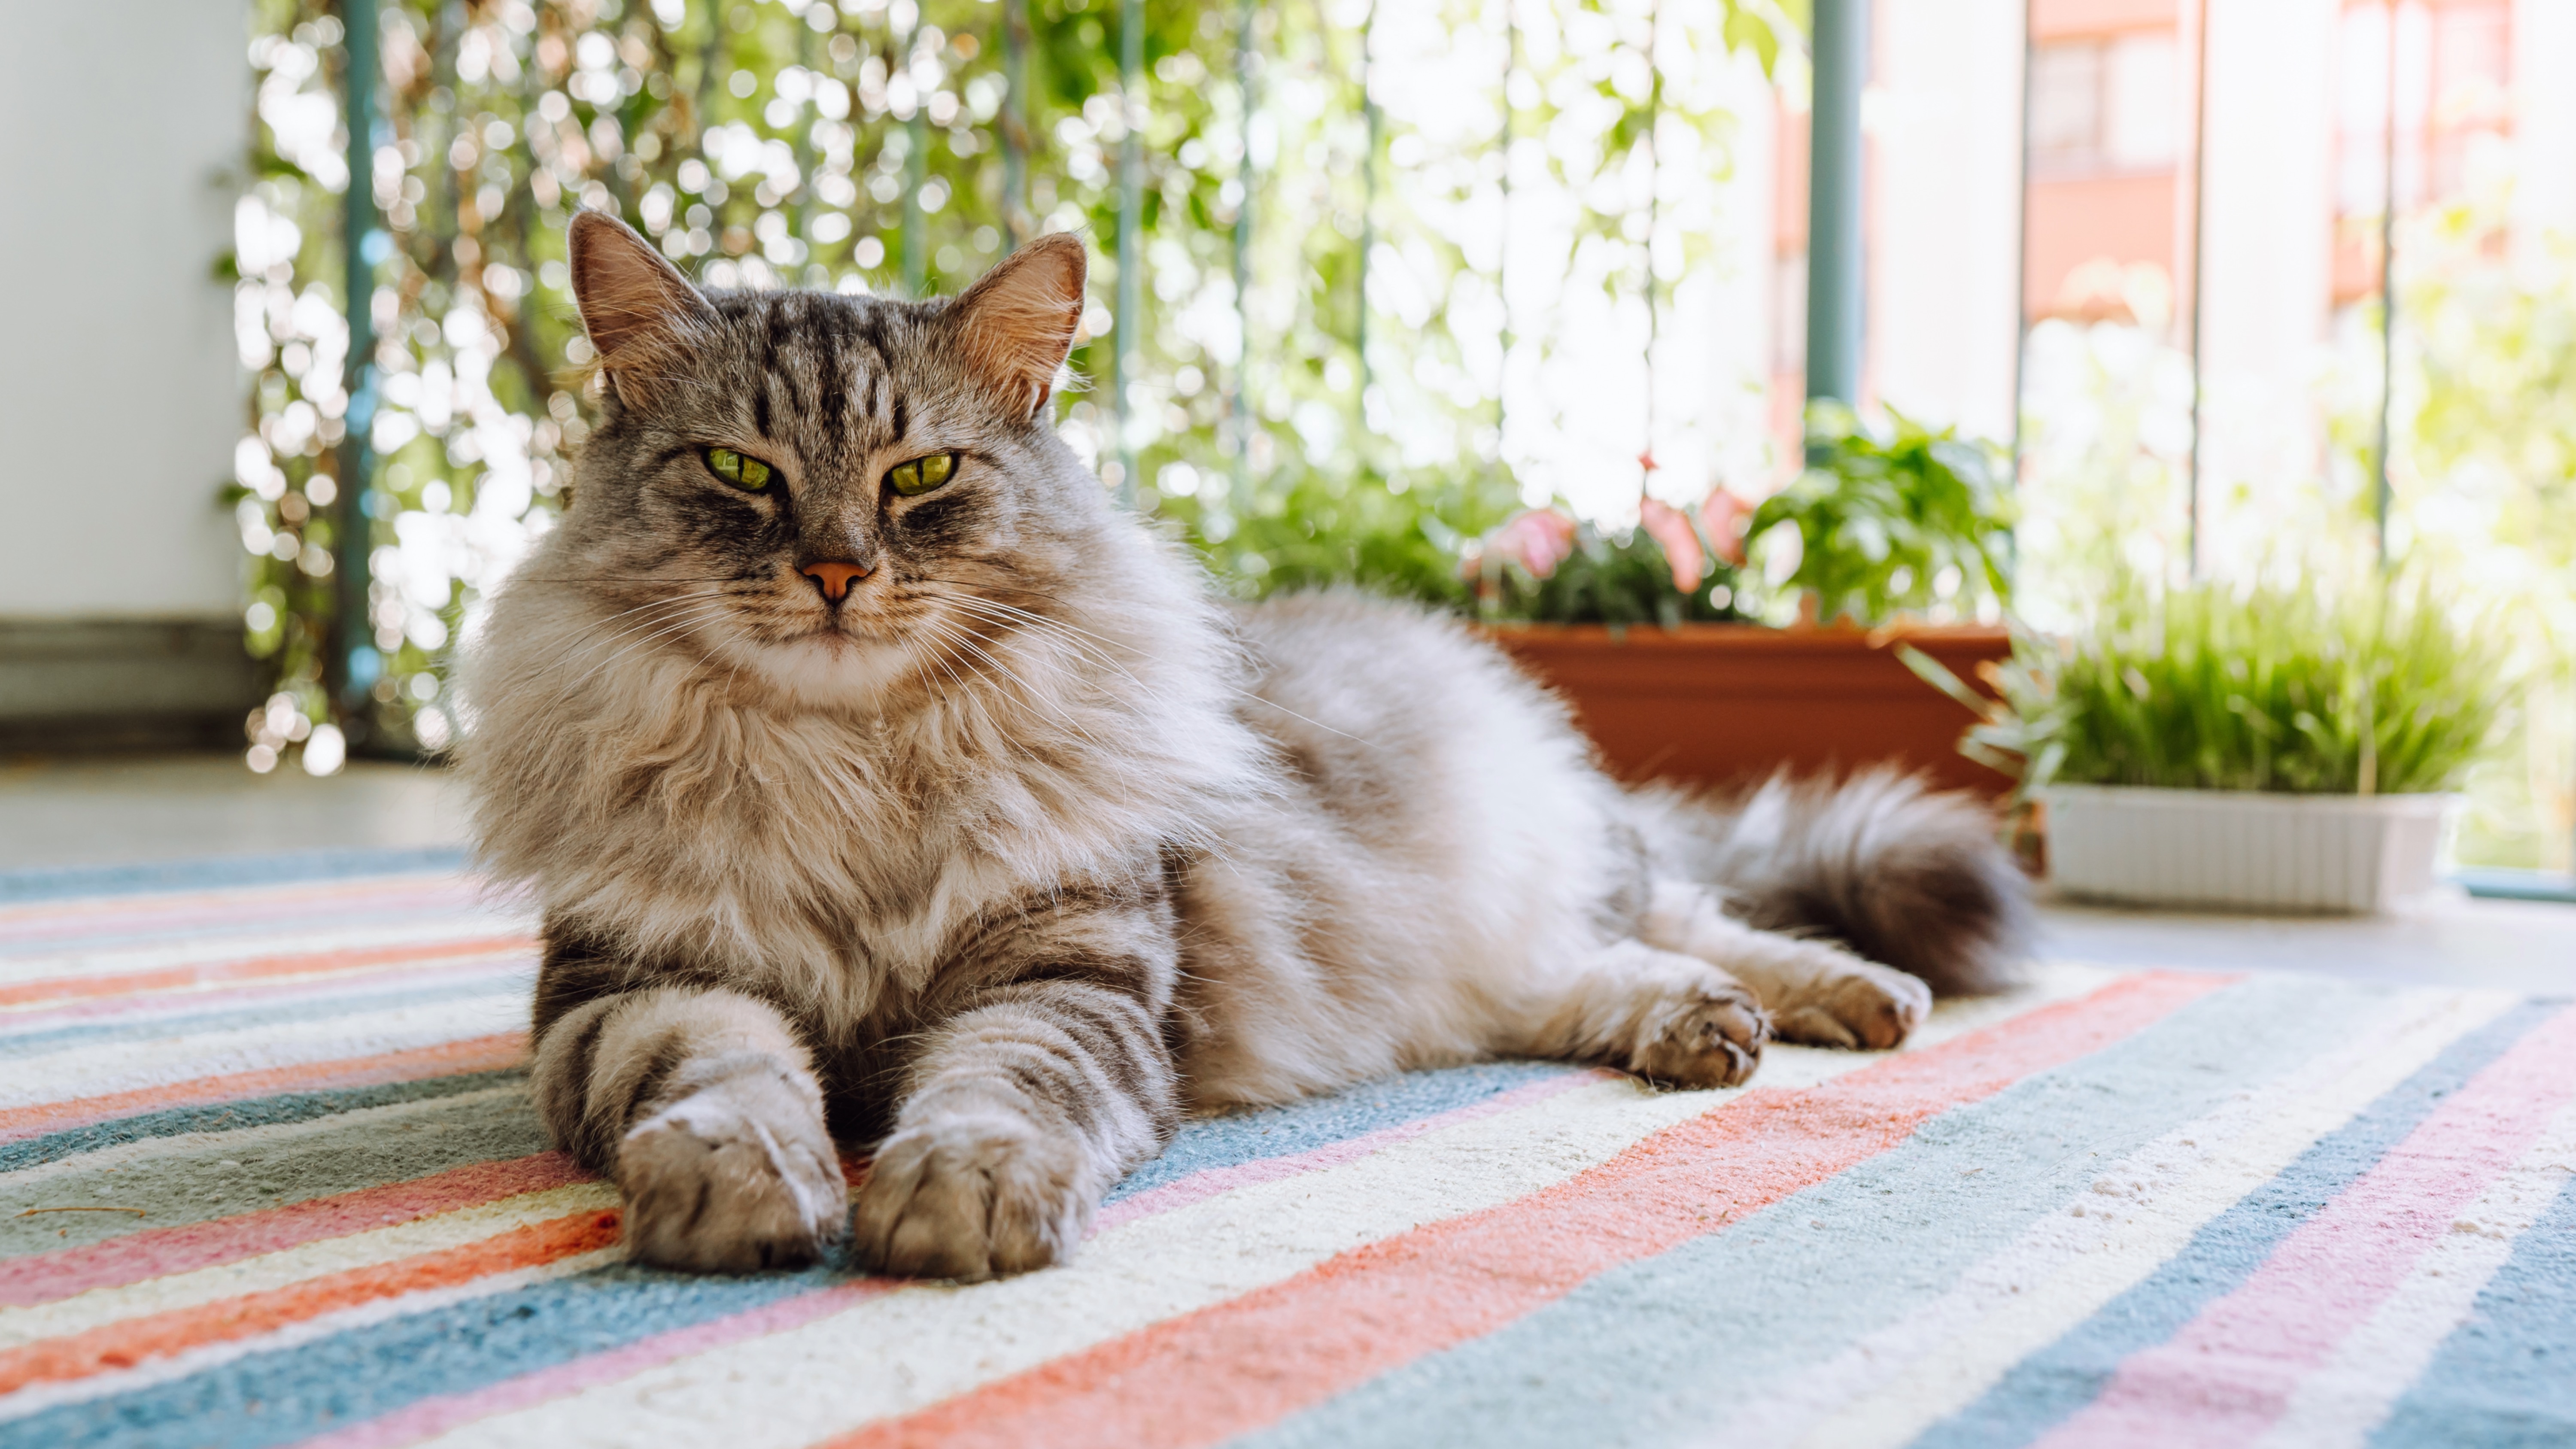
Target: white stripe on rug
<point x="911" y="1348"/>
<point x="38" y="1397"/>
<point x="100" y="1307"/>
<point x="2139" y="1213"/>
<point x="32" y="927"/>
<point x="2342" y="1402"/>
<point x="241" y="1141"/>
<point x="124" y="1066"/>
<point x="321" y="940"/>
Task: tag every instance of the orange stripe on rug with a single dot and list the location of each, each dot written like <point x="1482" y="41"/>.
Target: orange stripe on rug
<point x="185" y="1247"/>
<point x="161" y="1335"/>
<point x="1215" y="1373"/>
<point x="446" y="1059"/>
<point x="299" y="963"/>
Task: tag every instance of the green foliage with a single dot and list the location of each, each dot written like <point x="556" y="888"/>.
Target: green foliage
<point x="1312" y="529"/>
<point x="2272" y="689"/>
<point x="2486" y="480"/>
<point x="1429" y="540"/>
<point x="1615" y="579"/>
<point x="1295" y="303"/>
<point x="2482" y="474"/>
<point x="1906" y="522"/>
<point x="2493" y="347"/>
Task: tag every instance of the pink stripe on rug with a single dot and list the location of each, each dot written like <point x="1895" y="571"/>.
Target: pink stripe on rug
<point x="429" y="1418"/>
<point x="443" y="1059"/>
<point x="374" y="902"/>
<point x="1199" y="1186"/>
<point x="158" y="1252"/>
<point x="432" y="1417"/>
<point x="276" y="966"/>
<point x="2227" y="1375"/>
<point x="352" y="980"/>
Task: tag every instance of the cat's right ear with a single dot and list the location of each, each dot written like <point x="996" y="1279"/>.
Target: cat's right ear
<point x="1016" y="325"/>
<point x="639" y="310"/>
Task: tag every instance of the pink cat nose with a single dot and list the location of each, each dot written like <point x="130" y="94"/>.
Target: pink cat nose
<point x="834" y="579"/>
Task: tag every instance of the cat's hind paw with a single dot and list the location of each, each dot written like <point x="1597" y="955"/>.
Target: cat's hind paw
<point x="1711" y="1038"/>
<point x="970" y="1199"/>
<point x="1849" y="1002"/>
<point x="728" y="1180"/>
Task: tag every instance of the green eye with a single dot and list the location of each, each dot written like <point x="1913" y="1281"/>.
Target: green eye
<point x="921" y="474"/>
<point x="734" y="468"/>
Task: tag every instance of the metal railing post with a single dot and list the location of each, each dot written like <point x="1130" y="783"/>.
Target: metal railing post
<point x="1239" y="400"/>
<point x="1131" y="210"/>
<point x="1841" y="67"/>
<point x="916" y="174"/>
<point x="1016" y="221"/>
<point x="351" y="663"/>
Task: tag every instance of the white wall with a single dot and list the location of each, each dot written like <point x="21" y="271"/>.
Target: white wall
<point x="123" y="126"/>
<point x="2268" y="242"/>
<point x="2544" y="188"/>
<point x="1743" y="316"/>
<point x="1943" y="114"/>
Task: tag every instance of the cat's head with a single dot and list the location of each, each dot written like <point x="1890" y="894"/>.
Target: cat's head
<point x="827" y="493"/>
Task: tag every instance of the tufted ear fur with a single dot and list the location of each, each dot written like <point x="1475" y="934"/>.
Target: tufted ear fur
<point x="638" y="308"/>
<point x="1016" y="325"/>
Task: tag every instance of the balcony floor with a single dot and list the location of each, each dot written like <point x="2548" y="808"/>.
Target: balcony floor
<point x="139" y="811"/>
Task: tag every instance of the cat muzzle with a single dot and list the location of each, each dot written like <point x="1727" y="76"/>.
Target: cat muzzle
<point x="834" y="579"/>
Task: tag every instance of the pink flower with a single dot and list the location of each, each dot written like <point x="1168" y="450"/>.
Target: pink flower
<point x="1671" y="530"/>
<point x="1723" y="516"/>
<point x="1538" y="539"/>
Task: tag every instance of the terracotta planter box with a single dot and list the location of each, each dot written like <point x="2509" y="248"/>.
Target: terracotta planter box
<point x="1721" y="703"/>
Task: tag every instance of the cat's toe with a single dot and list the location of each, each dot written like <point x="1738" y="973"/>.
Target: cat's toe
<point x="1855" y="1004"/>
<point x="970" y="1200"/>
<point x="1714" y="1040"/>
<point x="713" y="1188"/>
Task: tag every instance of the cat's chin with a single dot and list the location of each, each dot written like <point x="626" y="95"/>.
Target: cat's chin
<point x="829" y="669"/>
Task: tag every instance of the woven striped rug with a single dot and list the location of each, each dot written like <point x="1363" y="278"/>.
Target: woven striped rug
<point x="268" y="1175"/>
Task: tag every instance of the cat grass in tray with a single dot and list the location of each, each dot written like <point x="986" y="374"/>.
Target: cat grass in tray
<point x="883" y="781"/>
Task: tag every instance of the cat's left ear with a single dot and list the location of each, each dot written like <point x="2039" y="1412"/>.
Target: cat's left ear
<point x="1016" y="325"/>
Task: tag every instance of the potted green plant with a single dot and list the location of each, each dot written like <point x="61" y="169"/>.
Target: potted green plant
<point x="1887" y="536"/>
<point x="2259" y="749"/>
<point x="1677" y="653"/>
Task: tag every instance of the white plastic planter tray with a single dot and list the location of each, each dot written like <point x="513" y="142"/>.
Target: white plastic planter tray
<point x="2243" y="850"/>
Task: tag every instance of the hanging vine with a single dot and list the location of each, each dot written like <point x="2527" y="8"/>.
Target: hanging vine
<point x="1281" y="223"/>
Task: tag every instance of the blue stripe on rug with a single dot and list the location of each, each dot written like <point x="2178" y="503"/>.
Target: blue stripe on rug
<point x="1258" y="1136"/>
<point x="233" y="1116"/>
<point x="209" y="1178"/>
<point x="213" y="940"/>
<point x="2048" y="1387"/>
<point x="2507" y="1377"/>
<point x="347" y="1378"/>
<point x="67" y="882"/>
<point x="342" y="997"/>
<point x="288" y="1394"/>
<point x="1685" y="1333"/>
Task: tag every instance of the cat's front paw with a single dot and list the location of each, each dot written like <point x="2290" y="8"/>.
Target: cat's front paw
<point x="735" y="1177"/>
<point x="1850" y="1002"/>
<point x="971" y="1199"/>
<point x="1712" y="1038"/>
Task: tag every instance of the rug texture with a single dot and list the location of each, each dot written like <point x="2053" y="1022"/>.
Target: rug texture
<point x="269" y="1175"/>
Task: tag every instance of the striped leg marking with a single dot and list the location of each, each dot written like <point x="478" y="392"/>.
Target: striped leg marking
<point x="702" y="1106"/>
<point x="1026" y="1106"/>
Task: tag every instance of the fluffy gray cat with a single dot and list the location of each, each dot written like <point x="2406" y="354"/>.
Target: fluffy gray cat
<point x="882" y="780"/>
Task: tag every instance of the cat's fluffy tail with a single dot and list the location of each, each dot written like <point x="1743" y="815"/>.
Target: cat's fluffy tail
<point x="1901" y="874"/>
